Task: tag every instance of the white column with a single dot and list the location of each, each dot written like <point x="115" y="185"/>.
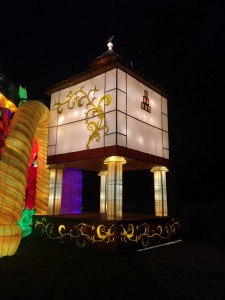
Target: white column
<point x="114" y="186"/>
<point x="161" y="208"/>
<point x="103" y="193"/>
<point x="55" y="190"/>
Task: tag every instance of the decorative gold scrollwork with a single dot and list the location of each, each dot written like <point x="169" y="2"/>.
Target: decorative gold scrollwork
<point x="145" y="232"/>
<point x="81" y="233"/>
<point x="93" y="110"/>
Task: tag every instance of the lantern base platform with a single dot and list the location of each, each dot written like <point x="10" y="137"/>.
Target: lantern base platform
<point x="131" y="232"/>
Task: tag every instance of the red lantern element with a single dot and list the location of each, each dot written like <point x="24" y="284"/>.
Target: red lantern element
<point x="4" y="124"/>
<point x="31" y="178"/>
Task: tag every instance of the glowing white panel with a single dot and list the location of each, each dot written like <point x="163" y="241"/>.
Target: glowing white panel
<point x="122" y="83"/>
<point x="96" y="144"/>
<point x="112" y="105"/>
<point x="135" y="93"/>
<point x="111" y="121"/>
<point x="98" y="81"/>
<point x="134" y="99"/>
<point x="110" y="80"/>
<point x="52" y="136"/>
<point x="71" y="115"/>
<point x="165" y="140"/>
<point x="70" y="110"/>
<point x="51" y="150"/>
<point x="121" y="101"/>
<point x="53" y="119"/>
<point x="165" y="122"/>
<point x="164" y="106"/>
<point x="72" y="137"/>
<point x="166" y="153"/>
<point x="54" y="99"/>
<point x="110" y="140"/>
<point x="143" y="137"/>
<point x="121" y="123"/>
<point x="121" y="140"/>
<point x="61" y="119"/>
<point x="155" y="101"/>
<point x="63" y="94"/>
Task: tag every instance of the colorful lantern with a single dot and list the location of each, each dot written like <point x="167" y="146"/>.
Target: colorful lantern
<point x="30" y="120"/>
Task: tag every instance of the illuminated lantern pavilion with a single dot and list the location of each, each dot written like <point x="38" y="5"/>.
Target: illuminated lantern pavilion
<point x="109" y="119"/>
<point x="105" y="122"/>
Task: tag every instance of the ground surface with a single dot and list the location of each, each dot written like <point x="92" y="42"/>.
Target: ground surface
<point x="45" y="270"/>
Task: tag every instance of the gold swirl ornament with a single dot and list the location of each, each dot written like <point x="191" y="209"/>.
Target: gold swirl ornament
<point x="94" y="108"/>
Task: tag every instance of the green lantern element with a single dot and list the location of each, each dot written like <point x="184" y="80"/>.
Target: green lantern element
<point x="26" y="221"/>
<point x="22" y="95"/>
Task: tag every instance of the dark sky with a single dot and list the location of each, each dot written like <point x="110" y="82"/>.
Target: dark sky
<point x="178" y="44"/>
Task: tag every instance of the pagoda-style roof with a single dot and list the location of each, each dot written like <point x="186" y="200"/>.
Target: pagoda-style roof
<point x="103" y="63"/>
<point x="107" y="57"/>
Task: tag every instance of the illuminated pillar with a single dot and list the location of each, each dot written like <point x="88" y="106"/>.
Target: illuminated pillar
<point x="114" y="186"/>
<point x="160" y="190"/>
<point x="103" y="204"/>
<point x="55" y="189"/>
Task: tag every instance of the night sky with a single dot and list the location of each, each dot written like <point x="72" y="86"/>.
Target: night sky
<point x="178" y="44"/>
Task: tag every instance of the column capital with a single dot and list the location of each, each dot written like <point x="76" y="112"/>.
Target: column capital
<point x="56" y="166"/>
<point x="102" y="173"/>
<point x="159" y="168"/>
<point x="115" y="159"/>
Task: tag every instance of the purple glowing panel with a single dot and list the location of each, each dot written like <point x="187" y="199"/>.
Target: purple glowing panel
<point x="72" y="191"/>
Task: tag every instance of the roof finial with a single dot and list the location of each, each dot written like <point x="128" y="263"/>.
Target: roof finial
<point x="109" y="42"/>
<point x="110" y="45"/>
